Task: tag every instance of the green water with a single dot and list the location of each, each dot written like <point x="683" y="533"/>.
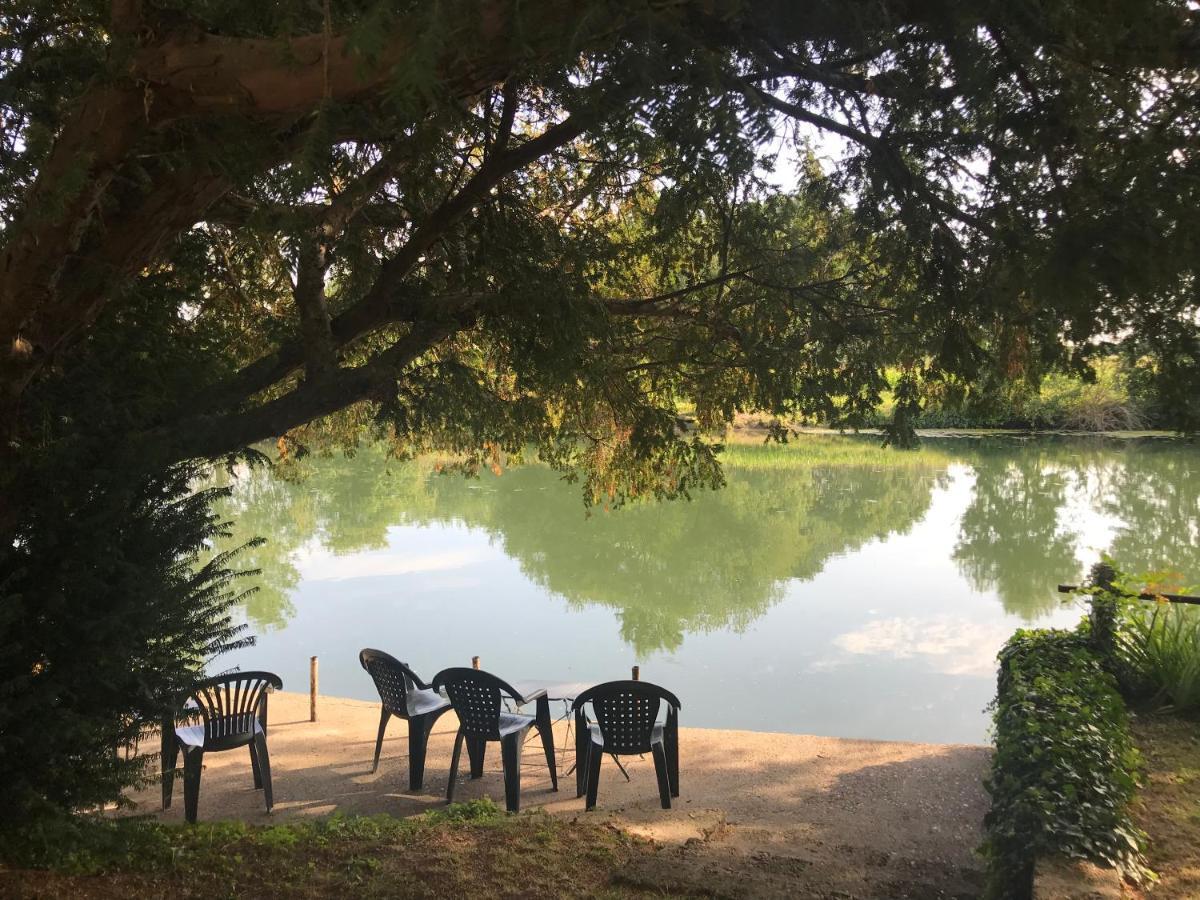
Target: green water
<point x="830" y="588"/>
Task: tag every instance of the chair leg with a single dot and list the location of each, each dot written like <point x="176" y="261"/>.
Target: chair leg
<point x="254" y="766"/>
<point x="264" y="767"/>
<point x="170" y="758"/>
<point x="671" y="745"/>
<point x="510" y="750"/>
<point x="582" y="741"/>
<point x="660" y="771"/>
<point x="458" y="742"/>
<point x="595" y="754"/>
<point x="384" y="715"/>
<point x="476" y="752"/>
<point x="545" y="727"/>
<point x="418" y="742"/>
<point x="193" y="765"/>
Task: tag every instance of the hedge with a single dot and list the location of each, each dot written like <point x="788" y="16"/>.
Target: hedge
<point x="1064" y="768"/>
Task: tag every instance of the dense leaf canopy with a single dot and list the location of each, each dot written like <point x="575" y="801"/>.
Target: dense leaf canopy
<point x="552" y="222"/>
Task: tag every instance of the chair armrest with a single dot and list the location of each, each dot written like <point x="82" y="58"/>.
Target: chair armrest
<point x="417" y="682"/>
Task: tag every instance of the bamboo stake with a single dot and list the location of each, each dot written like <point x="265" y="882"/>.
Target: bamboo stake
<point x="312" y="689"/>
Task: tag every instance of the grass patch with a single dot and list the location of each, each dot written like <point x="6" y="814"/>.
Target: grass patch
<point x="1167" y="807"/>
<point x="470" y="849"/>
<point x="827" y="451"/>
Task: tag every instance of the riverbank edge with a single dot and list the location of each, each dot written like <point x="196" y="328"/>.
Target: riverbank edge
<point x="759" y="426"/>
<point x="853" y="814"/>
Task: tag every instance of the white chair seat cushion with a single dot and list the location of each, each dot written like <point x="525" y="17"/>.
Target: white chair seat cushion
<point x="510" y="722"/>
<point x="193" y="735"/>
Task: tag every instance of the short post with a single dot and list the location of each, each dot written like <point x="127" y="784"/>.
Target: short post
<point x="312" y="689"/>
<point x="474" y="662"/>
<point x="1104" y="614"/>
<point x="637" y="673"/>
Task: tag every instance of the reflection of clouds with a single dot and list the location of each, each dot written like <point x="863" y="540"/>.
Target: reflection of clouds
<point x="948" y="645"/>
<point x="321" y="565"/>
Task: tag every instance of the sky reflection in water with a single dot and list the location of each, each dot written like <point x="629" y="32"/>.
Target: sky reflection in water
<point x="831" y="588"/>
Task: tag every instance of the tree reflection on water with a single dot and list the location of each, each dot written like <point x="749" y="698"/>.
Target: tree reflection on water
<point x="721" y="560"/>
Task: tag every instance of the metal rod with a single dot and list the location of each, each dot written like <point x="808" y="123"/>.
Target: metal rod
<point x="1144" y="595"/>
<point x="312" y="689"/>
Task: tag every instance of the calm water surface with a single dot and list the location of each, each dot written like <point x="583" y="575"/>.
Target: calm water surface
<point x="831" y="588"/>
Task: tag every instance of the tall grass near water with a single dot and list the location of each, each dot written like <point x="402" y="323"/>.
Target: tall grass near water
<point x="1159" y="644"/>
<point x="827" y="451"/>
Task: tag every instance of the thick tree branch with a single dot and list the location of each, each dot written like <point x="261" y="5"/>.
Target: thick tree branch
<point x="313" y="258"/>
<point x="312" y="262"/>
<point x="165" y="211"/>
<point x="125" y="16"/>
<point x="189" y="75"/>
<point x="337" y="214"/>
<point x="217" y="435"/>
<point x="388" y="302"/>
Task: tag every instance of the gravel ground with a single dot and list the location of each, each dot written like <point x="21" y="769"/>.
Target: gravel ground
<point x="760" y="815"/>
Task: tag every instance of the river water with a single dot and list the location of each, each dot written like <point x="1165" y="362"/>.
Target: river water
<point x="830" y="588"/>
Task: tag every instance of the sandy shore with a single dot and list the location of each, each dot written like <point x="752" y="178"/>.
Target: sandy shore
<point x="848" y="813"/>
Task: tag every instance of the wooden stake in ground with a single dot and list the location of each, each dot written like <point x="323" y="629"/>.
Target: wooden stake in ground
<point x="312" y="689"/>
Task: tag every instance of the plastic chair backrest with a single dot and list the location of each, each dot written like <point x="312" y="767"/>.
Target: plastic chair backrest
<point x="475" y="696"/>
<point x="230" y="704"/>
<point x="626" y="712"/>
<point x="393" y="679"/>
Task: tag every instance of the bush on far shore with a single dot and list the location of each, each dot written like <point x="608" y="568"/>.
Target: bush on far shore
<point x="1119" y="399"/>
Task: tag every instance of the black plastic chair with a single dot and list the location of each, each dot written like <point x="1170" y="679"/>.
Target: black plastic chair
<point x="404" y="695"/>
<point x="626" y="723"/>
<point x="476" y="697"/>
<point x="232" y="712"/>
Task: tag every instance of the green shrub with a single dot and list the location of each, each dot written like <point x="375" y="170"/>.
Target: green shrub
<point x="1106" y="404"/>
<point x="1154" y="644"/>
<point x="1159" y="646"/>
<point x="1113" y="400"/>
<point x="1065" y="767"/>
<point x="105" y="616"/>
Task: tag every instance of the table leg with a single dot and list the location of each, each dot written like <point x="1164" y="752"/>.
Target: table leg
<point x="545" y="727"/>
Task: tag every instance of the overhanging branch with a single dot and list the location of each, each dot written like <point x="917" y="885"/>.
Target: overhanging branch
<point x="387" y="302"/>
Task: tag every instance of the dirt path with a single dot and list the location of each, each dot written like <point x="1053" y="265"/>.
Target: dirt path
<point x="760" y="815"/>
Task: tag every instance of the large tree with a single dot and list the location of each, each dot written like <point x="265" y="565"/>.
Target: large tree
<point x="384" y="200"/>
<point x="490" y="223"/>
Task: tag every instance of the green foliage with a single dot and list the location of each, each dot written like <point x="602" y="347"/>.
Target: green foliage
<point x="104" y="618"/>
<point x="1112" y="395"/>
<point x="1155" y="643"/>
<point x="1064" y="769"/>
<point x="107" y="611"/>
<point x="1159" y="644"/>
